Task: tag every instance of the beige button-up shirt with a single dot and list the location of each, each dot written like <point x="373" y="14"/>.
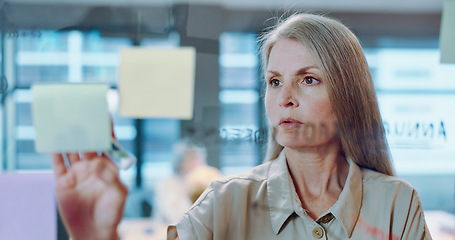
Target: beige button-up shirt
<point x="263" y="204"/>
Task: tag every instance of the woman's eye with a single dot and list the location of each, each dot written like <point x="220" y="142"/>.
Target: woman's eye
<point x="275" y="82"/>
<point x="310" y="80"/>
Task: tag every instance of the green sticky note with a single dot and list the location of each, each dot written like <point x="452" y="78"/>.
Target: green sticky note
<point x="447" y="37"/>
<point x="71" y="117"/>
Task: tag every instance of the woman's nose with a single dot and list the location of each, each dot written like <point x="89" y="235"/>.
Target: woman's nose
<point x="288" y="97"/>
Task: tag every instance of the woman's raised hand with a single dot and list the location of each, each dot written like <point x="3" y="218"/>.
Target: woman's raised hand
<point x="90" y="196"/>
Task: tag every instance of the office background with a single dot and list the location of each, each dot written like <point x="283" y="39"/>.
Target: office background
<point x="79" y="41"/>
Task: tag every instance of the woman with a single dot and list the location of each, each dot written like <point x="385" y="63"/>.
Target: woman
<point x="328" y="175"/>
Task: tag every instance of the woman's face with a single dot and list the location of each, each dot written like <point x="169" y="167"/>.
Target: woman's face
<point x="296" y="100"/>
<point x="193" y="159"/>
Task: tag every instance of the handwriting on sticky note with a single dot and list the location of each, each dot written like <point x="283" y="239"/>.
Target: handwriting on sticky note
<point x="157" y="82"/>
<point x="71" y="117"/>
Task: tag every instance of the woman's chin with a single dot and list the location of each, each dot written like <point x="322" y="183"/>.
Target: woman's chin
<point x="293" y="143"/>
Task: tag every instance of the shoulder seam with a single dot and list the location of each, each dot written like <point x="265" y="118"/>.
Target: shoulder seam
<point x="200" y="201"/>
<point x="239" y="178"/>
<point x="224" y="182"/>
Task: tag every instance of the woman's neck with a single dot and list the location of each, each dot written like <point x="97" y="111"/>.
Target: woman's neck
<point x="319" y="176"/>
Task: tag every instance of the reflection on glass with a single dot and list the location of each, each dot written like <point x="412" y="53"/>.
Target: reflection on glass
<point x="415" y="95"/>
<point x="240" y="119"/>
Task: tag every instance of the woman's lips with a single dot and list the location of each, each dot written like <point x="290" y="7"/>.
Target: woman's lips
<point x="289" y="123"/>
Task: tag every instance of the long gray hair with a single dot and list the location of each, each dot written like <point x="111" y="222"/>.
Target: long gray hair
<point x="349" y="84"/>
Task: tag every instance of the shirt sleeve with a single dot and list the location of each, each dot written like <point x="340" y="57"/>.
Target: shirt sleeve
<point x="197" y="223"/>
<point x="416" y="227"/>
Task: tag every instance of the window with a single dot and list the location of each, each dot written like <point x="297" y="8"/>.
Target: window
<point x="415" y="94"/>
<point x="56" y="56"/>
<point x="241" y="132"/>
<point x="75" y="56"/>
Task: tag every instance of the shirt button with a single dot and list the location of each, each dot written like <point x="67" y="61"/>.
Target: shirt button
<point x="326" y="218"/>
<point x="317" y="232"/>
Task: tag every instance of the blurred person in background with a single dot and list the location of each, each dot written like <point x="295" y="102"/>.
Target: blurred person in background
<point x="175" y="194"/>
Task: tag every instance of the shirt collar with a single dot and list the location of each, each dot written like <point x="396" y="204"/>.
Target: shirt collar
<point x="346" y="209"/>
<point x="278" y="192"/>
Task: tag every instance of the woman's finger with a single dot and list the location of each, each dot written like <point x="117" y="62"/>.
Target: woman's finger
<point x="73" y="158"/>
<point x="104" y="155"/>
<point x="89" y="155"/>
<point x="58" y="164"/>
<point x="106" y="170"/>
<point x="112" y="129"/>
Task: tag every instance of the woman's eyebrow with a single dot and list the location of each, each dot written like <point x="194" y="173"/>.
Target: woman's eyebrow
<point x="305" y="70"/>
<point x="275" y="73"/>
<point x="301" y="71"/>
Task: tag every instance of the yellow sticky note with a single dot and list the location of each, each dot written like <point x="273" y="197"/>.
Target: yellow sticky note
<point x="157" y="82"/>
<point x="71" y="117"/>
<point x="447" y="37"/>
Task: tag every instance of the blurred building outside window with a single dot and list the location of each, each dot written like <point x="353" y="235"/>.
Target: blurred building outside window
<point x="241" y="132"/>
<point x="74" y="56"/>
<point x="416" y="94"/>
